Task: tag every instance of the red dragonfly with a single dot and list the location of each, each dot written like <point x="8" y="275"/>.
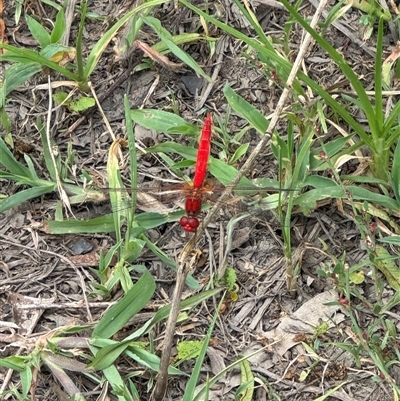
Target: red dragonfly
<point x="194" y="193"/>
<point x="200" y="189"/>
<point x="194" y="199"/>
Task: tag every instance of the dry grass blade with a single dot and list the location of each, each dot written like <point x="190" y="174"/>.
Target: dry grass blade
<point x="63" y="195"/>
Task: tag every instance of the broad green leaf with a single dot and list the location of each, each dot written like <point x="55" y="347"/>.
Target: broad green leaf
<point x="11" y="164"/>
<point x="57" y="52"/>
<point x="14" y="362"/>
<point x="38" y="31"/>
<point x="60" y="97"/>
<point x="102" y="224"/>
<point x="394" y="239"/>
<point x="357" y="277"/>
<point x="59" y="27"/>
<point x="26" y="380"/>
<point x="107" y="355"/>
<point x="16" y="75"/>
<point x="82" y="104"/>
<point x="105" y="224"/>
<point x="150" y="360"/>
<point x="189" y="349"/>
<point x="220" y="170"/>
<point x="27" y="56"/>
<point x="158" y="120"/>
<point x="248" y="111"/>
<point x="246" y="389"/>
<point x="240" y="151"/>
<point x="307" y="200"/>
<point x="395" y="176"/>
<point x="132" y="302"/>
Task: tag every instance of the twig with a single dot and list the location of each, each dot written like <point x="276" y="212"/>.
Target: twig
<point x="184" y="267"/>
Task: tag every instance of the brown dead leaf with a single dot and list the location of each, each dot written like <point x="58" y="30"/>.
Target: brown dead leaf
<point x="158" y="57"/>
<point x="394" y="7"/>
<point x="394" y="55"/>
<point x="26" y="319"/>
<point x="64" y="57"/>
<point x="3" y="36"/>
<point x="304" y="320"/>
<point x="87" y="260"/>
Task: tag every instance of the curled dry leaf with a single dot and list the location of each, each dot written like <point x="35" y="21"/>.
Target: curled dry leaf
<point x="158" y="57"/>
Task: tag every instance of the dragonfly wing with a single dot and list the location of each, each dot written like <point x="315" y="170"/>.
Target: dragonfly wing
<point x="148" y="203"/>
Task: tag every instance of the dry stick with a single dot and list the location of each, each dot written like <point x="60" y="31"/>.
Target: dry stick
<point x="69" y="16"/>
<point x="181" y="274"/>
<point x="183" y="264"/>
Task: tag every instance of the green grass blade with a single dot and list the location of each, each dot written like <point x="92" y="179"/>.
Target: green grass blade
<point x="380" y="118"/>
<point x="343" y="65"/>
<point x="11" y="164"/>
<point x="102" y="224"/>
<point x="25" y="195"/>
<point x="194" y="377"/>
<point x="386" y="263"/>
<point x="16" y="75"/>
<point x="150" y="360"/>
<point x="395" y="176"/>
<point x="79" y="57"/>
<point x="133" y="160"/>
<point x="389" y="123"/>
<point x="113" y="377"/>
<point x="26" y="56"/>
<point x="286" y="66"/>
<point x="59" y="27"/>
<point x="219" y="169"/>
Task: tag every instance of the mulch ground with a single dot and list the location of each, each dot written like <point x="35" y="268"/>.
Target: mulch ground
<point x="36" y="267"/>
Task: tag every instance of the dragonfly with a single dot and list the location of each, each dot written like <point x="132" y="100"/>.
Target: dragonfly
<point x="194" y="199"/>
<point x="195" y="194"/>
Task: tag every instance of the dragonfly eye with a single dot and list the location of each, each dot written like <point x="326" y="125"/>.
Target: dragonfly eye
<point x="189" y="224"/>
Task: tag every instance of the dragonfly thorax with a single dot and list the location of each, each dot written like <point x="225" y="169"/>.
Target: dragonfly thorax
<point x="193" y="205"/>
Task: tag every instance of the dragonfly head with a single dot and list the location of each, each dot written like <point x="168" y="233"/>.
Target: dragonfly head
<point x="189" y="223"/>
